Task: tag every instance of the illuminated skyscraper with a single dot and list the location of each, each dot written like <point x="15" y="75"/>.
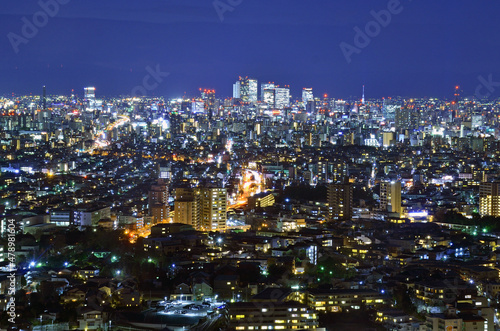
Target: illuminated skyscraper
<point x="281" y="97"/>
<point x="253" y="90"/>
<point x="307" y="95"/>
<point x="44" y="99"/>
<point x="246" y="89"/>
<point x="208" y="97"/>
<point x="236" y="90"/>
<point x="390" y="197"/>
<point x="243" y="88"/>
<point x="267" y="93"/>
<point x="89" y="92"/>
<point x="389" y="109"/>
<point x="90" y="98"/>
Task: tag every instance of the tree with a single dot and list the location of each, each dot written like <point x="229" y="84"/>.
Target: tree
<point x="402" y="296"/>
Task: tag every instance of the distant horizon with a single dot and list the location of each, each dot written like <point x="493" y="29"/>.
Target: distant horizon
<point x="79" y="92"/>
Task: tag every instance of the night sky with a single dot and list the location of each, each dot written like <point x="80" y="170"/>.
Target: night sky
<point x="428" y="47"/>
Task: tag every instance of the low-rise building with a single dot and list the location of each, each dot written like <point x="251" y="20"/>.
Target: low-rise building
<point x="339" y="300"/>
<point x="265" y="315"/>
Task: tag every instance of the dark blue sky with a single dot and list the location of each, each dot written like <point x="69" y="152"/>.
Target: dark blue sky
<point x="426" y="49"/>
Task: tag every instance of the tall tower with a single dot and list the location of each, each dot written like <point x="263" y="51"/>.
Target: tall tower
<point x="390" y="197"/>
<point x="208" y="97"/>
<point x="253" y="90"/>
<point x="44" y="99"/>
<point x="454" y="103"/>
<point x="236" y="90"/>
<point x="363" y="98"/>
<point x="90" y="97"/>
<point x="340" y="201"/>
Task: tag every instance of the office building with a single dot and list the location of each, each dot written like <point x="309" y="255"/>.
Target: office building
<point x="253" y="90"/>
<point x="307" y="95"/>
<point x="246" y="89"/>
<point x="281" y="97"/>
<point x="389" y="109"/>
<point x="267" y="93"/>
<point x="89" y="94"/>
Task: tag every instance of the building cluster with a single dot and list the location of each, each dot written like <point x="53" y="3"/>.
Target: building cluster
<point x="271" y="211"/>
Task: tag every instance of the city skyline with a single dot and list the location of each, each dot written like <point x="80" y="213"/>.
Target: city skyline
<point x="297" y="96"/>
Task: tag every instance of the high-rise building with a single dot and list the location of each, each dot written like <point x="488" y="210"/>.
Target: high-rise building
<point x="281" y="97"/>
<point x="390" y="196"/>
<point x="197" y="106"/>
<point x="90" y="97"/>
<point x="389" y="109"/>
<point x="267" y="93"/>
<point x="340" y="201"/>
<point x="208" y="96"/>
<point x="203" y="208"/>
<point x="213" y="209"/>
<point x="44" y="99"/>
<point x="253" y="90"/>
<point x="158" y="202"/>
<point x="236" y="90"/>
<point x="489" y="199"/>
<point x="246" y="89"/>
<point x="89" y="92"/>
<point x="337" y="170"/>
<point x="307" y="95"/>
<point x="187" y="207"/>
<point x="403" y="118"/>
